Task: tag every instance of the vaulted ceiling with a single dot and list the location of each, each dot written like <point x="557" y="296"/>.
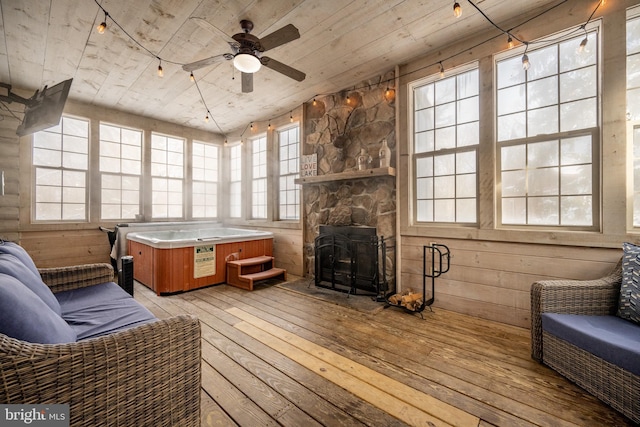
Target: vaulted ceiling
<point x="341" y="43"/>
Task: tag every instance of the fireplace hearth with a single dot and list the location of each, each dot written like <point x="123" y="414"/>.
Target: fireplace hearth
<point x="354" y="259"/>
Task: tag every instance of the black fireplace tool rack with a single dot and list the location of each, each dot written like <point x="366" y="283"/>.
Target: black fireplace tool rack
<point x="440" y="263"/>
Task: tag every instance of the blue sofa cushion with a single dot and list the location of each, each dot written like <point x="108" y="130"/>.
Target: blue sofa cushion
<point x="101" y="309"/>
<point x="19" y="252"/>
<point x="24" y="316"/>
<point x="629" y="303"/>
<point x="609" y="337"/>
<point x="13" y="267"/>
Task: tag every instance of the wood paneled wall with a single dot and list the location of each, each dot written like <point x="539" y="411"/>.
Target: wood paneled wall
<point x="492" y="279"/>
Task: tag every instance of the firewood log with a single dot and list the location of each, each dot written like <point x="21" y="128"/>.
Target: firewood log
<point x="406" y="299"/>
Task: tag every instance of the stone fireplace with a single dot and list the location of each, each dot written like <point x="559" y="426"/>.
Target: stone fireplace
<point x="337" y="127"/>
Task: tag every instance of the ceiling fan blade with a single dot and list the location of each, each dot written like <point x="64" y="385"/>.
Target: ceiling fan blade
<point x="205" y="62"/>
<point x="247" y="82"/>
<point x="203" y="23"/>
<point x="282" y="68"/>
<point x="279" y="37"/>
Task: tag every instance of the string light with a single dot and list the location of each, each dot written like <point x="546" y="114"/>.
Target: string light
<point x="192" y="77"/>
<point x="103" y="25"/>
<point x="291" y="116"/>
<point x="251" y="127"/>
<point x="160" y="71"/>
<point x="206" y="118"/>
<point x="509" y="41"/>
<point x="457" y="10"/>
<point x="583" y="43"/>
<point x="314" y="102"/>
<point x="441" y="70"/>
<point x="389" y="94"/>
<point x="269" y="127"/>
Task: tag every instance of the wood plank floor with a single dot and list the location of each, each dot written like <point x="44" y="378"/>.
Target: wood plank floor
<point x="275" y="356"/>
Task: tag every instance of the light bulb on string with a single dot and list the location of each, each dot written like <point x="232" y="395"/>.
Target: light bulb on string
<point x="509" y="41"/>
<point x="160" y="71"/>
<point x="103" y="25"/>
<point x="251" y="126"/>
<point x="525" y="62"/>
<point x="291" y="116"/>
<point x="441" y="70"/>
<point x="192" y="77"/>
<point x="206" y="118"/>
<point x="583" y="43"/>
<point x="457" y="10"/>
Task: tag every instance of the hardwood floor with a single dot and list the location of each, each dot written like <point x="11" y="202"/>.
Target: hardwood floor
<point x="275" y="356"/>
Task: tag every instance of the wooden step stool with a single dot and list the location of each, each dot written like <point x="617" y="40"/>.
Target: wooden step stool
<point x="241" y="273"/>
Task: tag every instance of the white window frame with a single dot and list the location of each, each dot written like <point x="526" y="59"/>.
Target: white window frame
<point x="167" y="176"/>
<point x="235" y="181"/>
<point x="51" y="170"/>
<point x="288" y="171"/>
<point x="633" y="115"/>
<point x="120" y="186"/>
<point x="559" y="205"/>
<point x="425" y="198"/>
<point x="205" y="173"/>
<point x="259" y="176"/>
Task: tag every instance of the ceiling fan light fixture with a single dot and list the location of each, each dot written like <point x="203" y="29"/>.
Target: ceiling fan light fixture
<point x="246" y="63"/>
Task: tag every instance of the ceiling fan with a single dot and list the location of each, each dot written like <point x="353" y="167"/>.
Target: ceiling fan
<point x="247" y="51"/>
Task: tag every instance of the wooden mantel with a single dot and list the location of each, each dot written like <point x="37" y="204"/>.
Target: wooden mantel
<point x="342" y="176"/>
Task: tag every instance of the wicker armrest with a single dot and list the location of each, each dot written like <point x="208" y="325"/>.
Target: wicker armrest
<point x="588" y="297"/>
<point x="145" y="376"/>
<point x="76" y="276"/>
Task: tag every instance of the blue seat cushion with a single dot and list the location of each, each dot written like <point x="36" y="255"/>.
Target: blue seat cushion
<point x="609" y="337"/>
<point x="19" y="252"/>
<point x="101" y="309"/>
<point x="13" y="267"/>
<point x="24" y="316"/>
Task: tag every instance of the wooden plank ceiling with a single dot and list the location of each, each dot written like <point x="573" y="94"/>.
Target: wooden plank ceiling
<point x="341" y="44"/>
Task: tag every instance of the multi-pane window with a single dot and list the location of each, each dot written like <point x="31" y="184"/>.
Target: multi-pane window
<point x="633" y="104"/>
<point x="445" y="146"/>
<point x="61" y="161"/>
<point x="121" y="168"/>
<point x="289" y="191"/>
<point x="235" y="181"/>
<point x="205" y="180"/>
<point x="547" y="121"/>
<point x="167" y="171"/>
<point x="259" y="177"/>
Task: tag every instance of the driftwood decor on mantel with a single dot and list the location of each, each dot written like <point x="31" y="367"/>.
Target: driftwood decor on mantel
<point x="342" y="176"/>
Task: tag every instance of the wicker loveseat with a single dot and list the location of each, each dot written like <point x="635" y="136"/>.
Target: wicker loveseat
<point x="592" y="302"/>
<point x="144" y="374"/>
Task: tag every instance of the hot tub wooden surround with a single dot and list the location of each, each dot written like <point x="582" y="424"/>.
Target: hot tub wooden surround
<point x="168" y="271"/>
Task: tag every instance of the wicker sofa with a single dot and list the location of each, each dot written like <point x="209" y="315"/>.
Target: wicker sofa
<point x="144" y="374"/>
<point x="597" y="301"/>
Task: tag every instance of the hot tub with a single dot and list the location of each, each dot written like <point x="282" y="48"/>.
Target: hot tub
<point x="170" y="261"/>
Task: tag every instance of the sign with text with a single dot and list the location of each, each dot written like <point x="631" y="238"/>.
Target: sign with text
<point x="309" y="165"/>
<point x="54" y="415"/>
<point x="204" y="261"/>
